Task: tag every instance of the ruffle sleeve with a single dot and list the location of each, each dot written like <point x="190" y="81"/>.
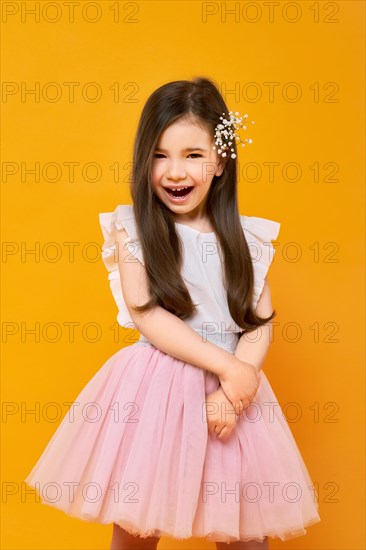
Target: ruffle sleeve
<point x="111" y="222"/>
<point x="259" y="232"/>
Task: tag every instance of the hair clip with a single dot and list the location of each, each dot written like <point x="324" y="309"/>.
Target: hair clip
<point x="226" y="132"/>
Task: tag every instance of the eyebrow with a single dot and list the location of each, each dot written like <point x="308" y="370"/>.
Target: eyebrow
<point x="185" y="150"/>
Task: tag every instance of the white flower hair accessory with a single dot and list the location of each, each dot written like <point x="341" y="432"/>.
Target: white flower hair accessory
<point x="227" y="131"/>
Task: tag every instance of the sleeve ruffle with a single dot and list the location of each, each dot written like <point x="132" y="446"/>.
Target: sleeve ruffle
<point x="111" y="222"/>
<point x="259" y="232"/>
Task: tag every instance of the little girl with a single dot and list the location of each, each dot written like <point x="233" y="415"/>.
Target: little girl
<point x="179" y="433"/>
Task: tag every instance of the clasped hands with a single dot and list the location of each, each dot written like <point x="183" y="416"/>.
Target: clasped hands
<point x="239" y="383"/>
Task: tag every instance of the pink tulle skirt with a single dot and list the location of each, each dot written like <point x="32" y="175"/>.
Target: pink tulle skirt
<point x="134" y="449"/>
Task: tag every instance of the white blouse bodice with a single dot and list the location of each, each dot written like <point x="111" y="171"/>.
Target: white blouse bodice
<point x="202" y="269"/>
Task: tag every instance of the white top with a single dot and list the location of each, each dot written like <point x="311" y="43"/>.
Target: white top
<point x="202" y="270"/>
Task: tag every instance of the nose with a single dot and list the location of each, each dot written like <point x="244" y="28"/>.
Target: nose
<point x="175" y="170"/>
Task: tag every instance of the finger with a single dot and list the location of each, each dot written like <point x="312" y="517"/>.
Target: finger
<point x="218" y="429"/>
<point x="248" y="403"/>
<point x="222" y="433"/>
<point x="211" y="426"/>
<point x="237" y="417"/>
<point x="225" y="433"/>
<point x="239" y="407"/>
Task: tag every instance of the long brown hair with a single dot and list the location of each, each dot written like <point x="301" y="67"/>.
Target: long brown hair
<point x="201" y="101"/>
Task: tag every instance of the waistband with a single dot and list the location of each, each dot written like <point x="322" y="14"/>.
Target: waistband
<point x="225" y="340"/>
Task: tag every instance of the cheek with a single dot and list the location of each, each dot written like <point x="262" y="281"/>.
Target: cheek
<point x="203" y="173"/>
<point x="155" y="175"/>
<point x="197" y="174"/>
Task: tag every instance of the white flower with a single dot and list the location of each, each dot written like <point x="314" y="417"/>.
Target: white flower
<point x="226" y="133"/>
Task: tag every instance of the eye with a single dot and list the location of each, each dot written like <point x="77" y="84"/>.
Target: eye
<point x="158" y="155"/>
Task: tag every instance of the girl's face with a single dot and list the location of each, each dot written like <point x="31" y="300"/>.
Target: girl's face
<point x="184" y="158"/>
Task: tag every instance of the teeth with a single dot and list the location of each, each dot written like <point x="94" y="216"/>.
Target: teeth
<point x="178" y="188"/>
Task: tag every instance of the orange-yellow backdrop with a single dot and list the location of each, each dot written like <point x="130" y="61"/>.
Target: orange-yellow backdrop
<point x="298" y="72"/>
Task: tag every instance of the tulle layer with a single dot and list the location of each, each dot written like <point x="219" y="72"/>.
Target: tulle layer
<point x="135" y="450"/>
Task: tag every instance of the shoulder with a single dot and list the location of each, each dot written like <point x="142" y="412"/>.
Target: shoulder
<point x="122" y="217"/>
<point x="262" y="229"/>
<point x="118" y="226"/>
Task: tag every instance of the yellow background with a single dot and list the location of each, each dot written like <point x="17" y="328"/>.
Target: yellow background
<point x="322" y="293"/>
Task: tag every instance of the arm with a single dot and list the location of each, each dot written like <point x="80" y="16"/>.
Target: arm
<point x="164" y="329"/>
<point x="251" y="351"/>
<point x="253" y="348"/>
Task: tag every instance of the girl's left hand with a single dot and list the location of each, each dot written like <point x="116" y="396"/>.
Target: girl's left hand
<point x="220" y="414"/>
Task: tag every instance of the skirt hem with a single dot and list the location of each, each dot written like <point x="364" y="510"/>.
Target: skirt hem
<point x="128" y="525"/>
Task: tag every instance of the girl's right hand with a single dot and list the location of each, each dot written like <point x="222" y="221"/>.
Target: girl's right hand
<point x="240" y="382"/>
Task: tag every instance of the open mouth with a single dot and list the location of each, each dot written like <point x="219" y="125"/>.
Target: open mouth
<point x="180" y="192"/>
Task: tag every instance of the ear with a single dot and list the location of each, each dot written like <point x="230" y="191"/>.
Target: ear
<point x="221" y="166"/>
